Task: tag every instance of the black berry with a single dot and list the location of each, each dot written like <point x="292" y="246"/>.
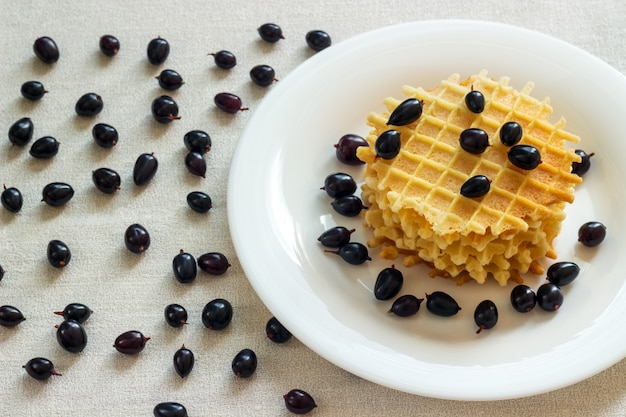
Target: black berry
<point x="158" y="50"/>
<point x="146" y="166"/>
<point x="184" y="360"/>
<point x="224" y="59"/>
<point x="475" y="101"/>
<point x="318" y="40"/>
<point x="33" y="90"/>
<point x="21" y="132"/>
<point x="270" y="32"/>
<point x="105" y="135"/>
<point x="106" y="180"/>
<point x="199" y="202"/>
<point x="165" y="109"/>
<point x="244" y="363"/>
<point x="213" y="263"/>
<point x="57" y="194"/>
<point x="40" y="368"/>
<point x="71" y="336"/>
<point x="109" y="45"/>
<point x="170" y="80"/>
<point x="11" y="199"/>
<point x="45" y="147"/>
<point x="591" y="234"/>
<point x="58" y="253"/>
<point x="407" y="112"/>
<point x="276" y="332"/>
<point x="217" y="314"/>
<point x="228" y="102"/>
<point x="46" y="50"/>
<point x="10" y="316"/>
<point x="136" y="238"/>
<point x="130" y="342"/>
<point x="89" y="105"/>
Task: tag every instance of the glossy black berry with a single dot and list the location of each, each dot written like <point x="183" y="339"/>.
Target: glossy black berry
<point x="591" y="234"/>
<point x="244" y="363"/>
<point x="199" y="202"/>
<point x="45" y="147"/>
<point x="388" y="283"/>
<point x="11" y="199"/>
<point x="263" y="75"/>
<point x="21" y="132"/>
<point x="549" y="297"/>
<point x="441" y="304"/>
<point x="136" y="238"/>
<point x="175" y="315"/>
<point x="158" y="50"/>
<point x="217" y="314"/>
<point x="485" y="315"/>
<point x="169" y="409"/>
<point x="224" y="59"/>
<point x="106" y="180"/>
<point x="524" y="156"/>
<point x="184" y="267"/>
<point x="165" y="109"/>
<point x="130" y="342"/>
<point x="57" y="194"/>
<point x="523" y="298"/>
<point x="105" y="135"/>
<point x="562" y="273"/>
<point x="146" y="166"/>
<point x="476" y="186"/>
<point x="58" y="253"/>
<point x="33" y="90"/>
<point x="339" y="184"/>
<point x="406" y="305"/>
<point x="335" y="237"/>
<point x="46" y="50"/>
<point x="349" y="205"/>
<point x="170" y="80"/>
<point x="40" y="368"/>
<point x="298" y="401"/>
<point x="388" y="144"/>
<point x="197" y="141"/>
<point x="407" y="112"/>
<point x="511" y="133"/>
<point x="317" y="40"/>
<point x="196" y="164"/>
<point x="89" y="105"/>
<point x="475" y="101"/>
<point x="474" y="140"/>
<point x="75" y="311"/>
<point x="276" y="332"/>
<point x="10" y="316"/>
<point x="346" y="146"/>
<point x="354" y="253"/>
<point x="228" y="102"/>
<point x="184" y="360"/>
<point x="71" y="336"/>
<point x="109" y="45"/>
<point x="270" y="32"/>
<point x="581" y="168"/>
<point x="213" y="263"/>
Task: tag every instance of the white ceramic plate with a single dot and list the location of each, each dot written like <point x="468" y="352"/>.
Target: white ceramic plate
<point x="277" y="211"/>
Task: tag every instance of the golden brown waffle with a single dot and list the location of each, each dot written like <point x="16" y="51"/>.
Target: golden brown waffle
<point x="416" y="209"/>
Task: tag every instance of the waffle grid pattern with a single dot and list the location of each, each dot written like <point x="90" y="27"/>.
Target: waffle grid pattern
<point x="417" y="195"/>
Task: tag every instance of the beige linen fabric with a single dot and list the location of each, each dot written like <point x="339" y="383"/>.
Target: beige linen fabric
<point x="128" y="291"/>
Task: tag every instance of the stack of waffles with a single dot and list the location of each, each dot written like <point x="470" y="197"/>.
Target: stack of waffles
<point x="415" y="208"/>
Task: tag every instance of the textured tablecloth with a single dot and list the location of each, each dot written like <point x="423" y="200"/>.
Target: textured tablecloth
<point x="127" y="291"/>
